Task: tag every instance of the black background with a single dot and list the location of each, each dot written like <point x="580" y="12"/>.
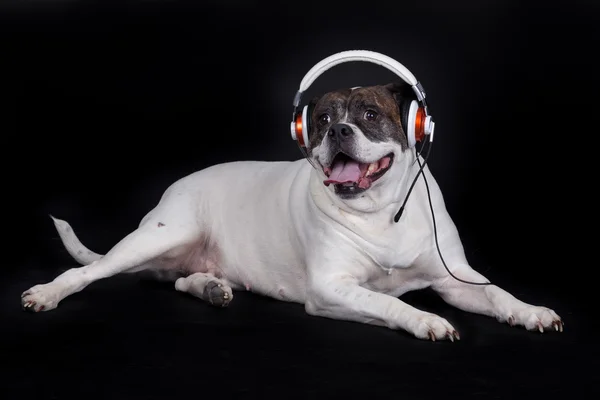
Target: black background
<point x="106" y="104"/>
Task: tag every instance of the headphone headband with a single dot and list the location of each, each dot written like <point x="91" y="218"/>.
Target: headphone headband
<point x="418" y="122"/>
<point x="358" y="55"/>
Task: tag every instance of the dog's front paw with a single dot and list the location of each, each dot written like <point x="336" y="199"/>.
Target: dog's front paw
<point x="40" y="298"/>
<point x="432" y="327"/>
<point x="535" y="318"/>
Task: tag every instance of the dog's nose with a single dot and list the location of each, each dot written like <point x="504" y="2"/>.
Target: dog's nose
<point x="340" y="131"/>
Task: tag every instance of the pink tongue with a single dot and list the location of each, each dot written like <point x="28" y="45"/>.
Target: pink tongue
<point x="343" y="172"/>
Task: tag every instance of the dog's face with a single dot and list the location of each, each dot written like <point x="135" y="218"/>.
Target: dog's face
<point x="356" y="137"/>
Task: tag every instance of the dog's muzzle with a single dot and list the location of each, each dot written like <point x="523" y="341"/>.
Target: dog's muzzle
<point x="350" y="175"/>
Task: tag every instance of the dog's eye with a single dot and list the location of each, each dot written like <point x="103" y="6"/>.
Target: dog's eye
<point x="324" y="119"/>
<point x="370" y="115"/>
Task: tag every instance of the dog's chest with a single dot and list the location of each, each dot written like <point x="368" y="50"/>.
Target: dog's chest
<point x="392" y="263"/>
<point x="392" y="247"/>
<point x="394" y="252"/>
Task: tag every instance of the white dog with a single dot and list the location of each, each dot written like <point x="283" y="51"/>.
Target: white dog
<point x="319" y="232"/>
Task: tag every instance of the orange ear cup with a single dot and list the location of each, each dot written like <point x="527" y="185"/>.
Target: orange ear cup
<point x="420" y="124"/>
<point x="298" y="126"/>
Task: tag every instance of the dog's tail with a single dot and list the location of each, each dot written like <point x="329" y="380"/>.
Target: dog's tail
<point x="76" y="249"/>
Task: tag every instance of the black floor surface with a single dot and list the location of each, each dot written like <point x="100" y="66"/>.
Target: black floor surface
<point x="125" y="338"/>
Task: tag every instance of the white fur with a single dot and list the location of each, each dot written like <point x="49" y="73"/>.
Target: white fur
<point x="275" y="229"/>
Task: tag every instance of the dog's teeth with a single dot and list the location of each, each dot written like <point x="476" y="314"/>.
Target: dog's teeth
<point x="372" y="168"/>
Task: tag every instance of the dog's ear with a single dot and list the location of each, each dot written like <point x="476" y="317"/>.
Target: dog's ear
<point x="400" y="91"/>
<point x="310" y="108"/>
<point x="314" y="101"/>
<point x="403" y="96"/>
<point x="313" y="139"/>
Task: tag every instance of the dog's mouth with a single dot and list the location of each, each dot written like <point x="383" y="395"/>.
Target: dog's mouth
<point x="350" y="176"/>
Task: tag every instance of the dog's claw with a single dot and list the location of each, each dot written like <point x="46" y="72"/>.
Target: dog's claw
<point x="558" y="325"/>
<point x="456" y="335"/>
<point x="29" y="306"/>
<point x="540" y="327"/>
<point x="511" y="320"/>
<point x="431" y="336"/>
<point x="450" y="336"/>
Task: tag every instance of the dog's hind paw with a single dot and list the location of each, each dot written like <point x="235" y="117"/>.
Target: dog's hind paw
<point x="535" y="318"/>
<point x="39" y="298"/>
<point x="217" y="294"/>
<point x="207" y="287"/>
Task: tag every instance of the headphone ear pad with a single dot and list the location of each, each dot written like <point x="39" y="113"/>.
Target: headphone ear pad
<point x="408" y="112"/>
<point x="307" y="123"/>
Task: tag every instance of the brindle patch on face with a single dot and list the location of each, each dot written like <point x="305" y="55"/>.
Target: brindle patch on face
<point x="352" y="104"/>
<point x="386" y="125"/>
<point x="332" y="104"/>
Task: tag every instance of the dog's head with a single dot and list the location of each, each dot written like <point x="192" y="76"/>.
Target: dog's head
<point x="356" y="137"/>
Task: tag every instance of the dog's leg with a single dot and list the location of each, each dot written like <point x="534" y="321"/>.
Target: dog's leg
<point x="153" y="270"/>
<point x="139" y="247"/>
<point x="341" y="297"/>
<point x="493" y="301"/>
<point x="206" y="287"/>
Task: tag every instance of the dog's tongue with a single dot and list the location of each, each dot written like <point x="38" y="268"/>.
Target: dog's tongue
<point x="344" y="171"/>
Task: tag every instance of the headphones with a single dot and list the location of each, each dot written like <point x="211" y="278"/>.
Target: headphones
<point x="415" y="119"/>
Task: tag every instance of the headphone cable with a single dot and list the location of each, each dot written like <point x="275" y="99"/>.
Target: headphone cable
<point x="401" y="210"/>
<point x="412" y="185"/>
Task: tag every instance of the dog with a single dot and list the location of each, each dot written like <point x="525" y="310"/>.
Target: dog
<point x="319" y="231"/>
